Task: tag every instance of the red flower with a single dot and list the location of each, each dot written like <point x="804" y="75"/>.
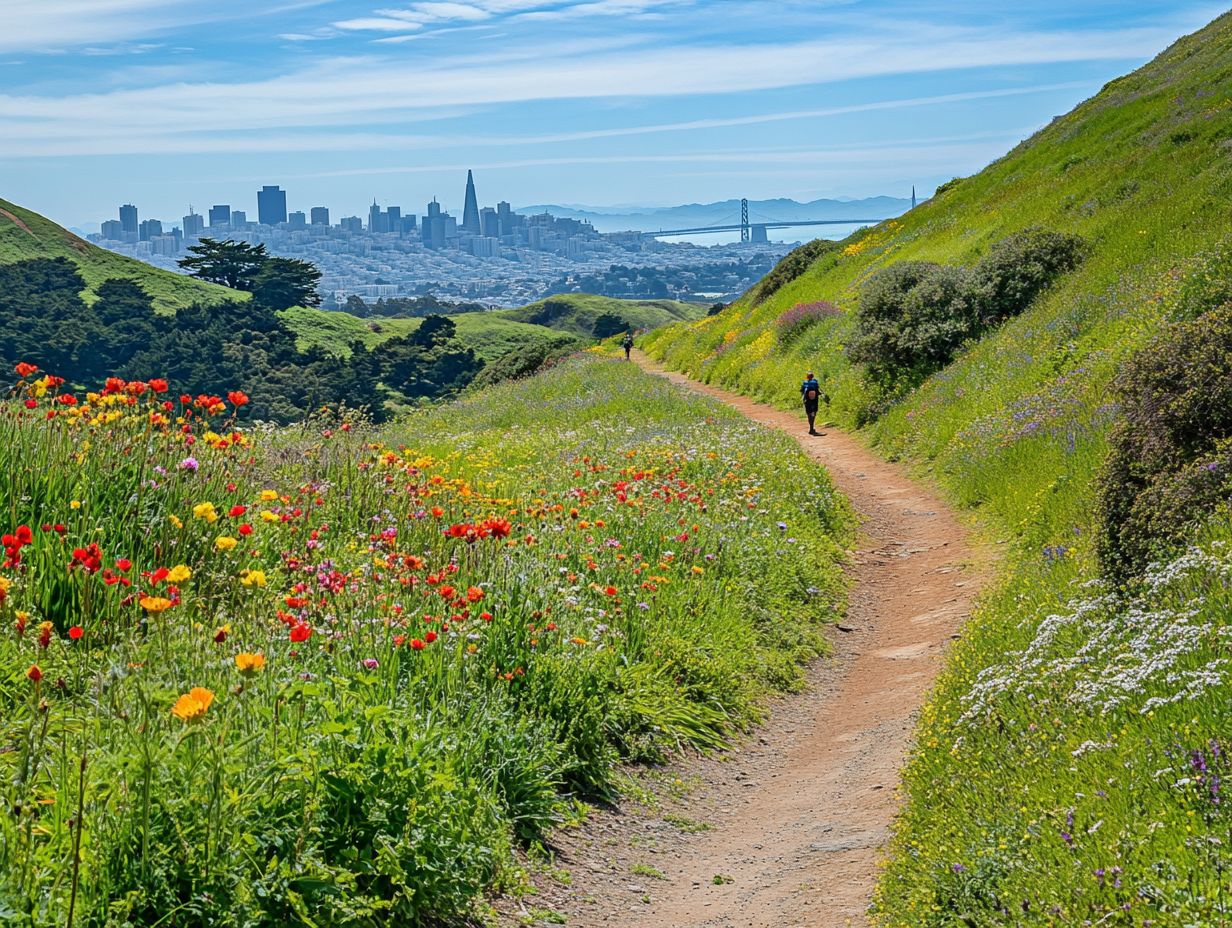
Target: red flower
<point x="123" y="564"/>
<point x="430" y="637"/>
<point x="245" y="529"/>
<point x="89" y="558"/>
<point x="31" y="404"/>
<point x="67" y="399"/>
<point x="24" y="535"/>
<point x="76" y="632"/>
<point x="238" y="398"/>
<point x="158" y="385"/>
<point x="237" y="511"/>
<point x="416" y="644"/>
<point x="25" y="370"/>
<point x="34" y="674"/>
<point x="486" y="616"/>
<point x="474" y="594"/>
<point x="611" y="591"/>
<point x="300" y="632"/>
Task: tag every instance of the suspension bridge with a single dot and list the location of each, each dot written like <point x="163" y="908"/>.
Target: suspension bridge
<point x="756" y="231"/>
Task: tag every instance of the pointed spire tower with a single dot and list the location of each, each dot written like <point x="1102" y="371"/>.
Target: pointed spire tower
<point x="470" y="212"/>
<point x="913" y="196"/>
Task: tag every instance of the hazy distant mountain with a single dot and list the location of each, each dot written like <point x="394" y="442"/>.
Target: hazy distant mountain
<point x="725" y="212"/>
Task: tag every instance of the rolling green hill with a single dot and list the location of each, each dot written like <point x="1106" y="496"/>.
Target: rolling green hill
<point x="490" y="334"/>
<point x="1054" y="778"/>
<point x="576" y="313"/>
<point x="25" y="235"/>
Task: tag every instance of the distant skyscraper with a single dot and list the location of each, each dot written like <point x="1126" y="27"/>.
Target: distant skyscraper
<point x="148" y="229"/>
<point x="470" y="211"/>
<point x="320" y="215"/>
<point x="194" y="224"/>
<point x="393" y="219"/>
<point x="489" y="222"/>
<point x="128" y="218"/>
<point x="238" y="218"/>
<point x="351" y="224"/>
<point x="113" y="230"/>
<point x="220" y="215"/>
<point x="271" y="206"/>
<point x="376" y="219"/>
<point x="297" y="220"/>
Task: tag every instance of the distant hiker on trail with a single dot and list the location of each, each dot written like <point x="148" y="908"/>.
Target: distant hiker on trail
<point x="627" y="344"/>
<point x="810" y="391"/>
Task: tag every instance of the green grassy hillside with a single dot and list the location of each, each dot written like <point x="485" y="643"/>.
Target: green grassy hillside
<point x="1035" y="796"/>
<point x="25" y="235"/>
<point x="576" y="313"/>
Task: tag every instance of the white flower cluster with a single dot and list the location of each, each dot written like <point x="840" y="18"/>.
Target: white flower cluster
<point x="1111" y="651"/>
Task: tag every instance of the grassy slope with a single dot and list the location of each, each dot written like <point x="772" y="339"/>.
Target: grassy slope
<point x="1017" y="427"/>
<point x="489" y="334"/>
<point x="375" y="773"/>
<point x="34" y="236"/>
<point x="585" y="308"/>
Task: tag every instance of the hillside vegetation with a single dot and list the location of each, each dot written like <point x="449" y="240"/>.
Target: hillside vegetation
<point x="25" y="235"/>
<point x="490" y="334"/>
<point x="577" y="313"/>
<point x="332" y="675"/>
<point x="1070" y="765"/>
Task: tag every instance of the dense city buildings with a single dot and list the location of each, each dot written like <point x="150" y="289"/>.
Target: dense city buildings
<point x="493" y="254"/>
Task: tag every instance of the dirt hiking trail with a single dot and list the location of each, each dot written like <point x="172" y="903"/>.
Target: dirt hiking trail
<point x="792" y="822"/>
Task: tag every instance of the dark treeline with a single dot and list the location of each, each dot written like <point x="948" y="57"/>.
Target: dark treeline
<point x="212" y="349"/>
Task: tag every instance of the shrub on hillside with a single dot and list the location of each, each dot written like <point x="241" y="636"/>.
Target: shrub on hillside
<point x="1017" y="269"/>
<point x="524" y="361"/>
<point x="913" y="316"/>
<point x="1171" y="460"/>
<point x="801" y="317"/>
<point x="609" y="324"/>
<point x="794" y="263"/>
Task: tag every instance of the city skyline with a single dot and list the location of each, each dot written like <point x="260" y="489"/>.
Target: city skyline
<point x="602" y="102"/>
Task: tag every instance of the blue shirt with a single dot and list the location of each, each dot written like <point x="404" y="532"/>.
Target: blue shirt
<point x="811" y="384"/>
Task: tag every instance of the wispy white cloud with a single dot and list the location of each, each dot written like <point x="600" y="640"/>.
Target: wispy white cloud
<point x="359" y="92"/>
<point x="416" y="16"/>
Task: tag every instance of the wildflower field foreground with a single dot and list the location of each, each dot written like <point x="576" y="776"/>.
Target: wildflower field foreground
<point x="331" y="675"/>
<point x="1071" y="764"/>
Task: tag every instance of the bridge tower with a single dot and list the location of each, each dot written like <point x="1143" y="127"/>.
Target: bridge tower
<point x="744" y="220"/>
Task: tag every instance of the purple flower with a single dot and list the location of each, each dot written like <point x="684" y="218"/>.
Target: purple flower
<point x="371" y="663"/>
<point x="189" y="464"/>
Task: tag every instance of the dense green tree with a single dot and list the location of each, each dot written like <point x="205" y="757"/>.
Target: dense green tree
<point x="281" y="283"/>
<point x="232" y="264"/>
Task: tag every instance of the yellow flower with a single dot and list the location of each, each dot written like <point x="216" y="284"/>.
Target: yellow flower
<point x="268" y="496"/>
<point x="206" y="511"/>
<point x="155" y="604"/>
<point x="225" y="543"/>
<point x="267" y="516"/>
<point x="179" y="573"/>
<point x="253" y="578"/>
<point x="249" y="664"/>
<point x="175" y="520"/>
<point x="75" y="504"/>
<point x="192" y="705"/>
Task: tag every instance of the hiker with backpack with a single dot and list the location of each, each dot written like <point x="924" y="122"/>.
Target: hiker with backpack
<point x="627" y="344"/>
<point x="810" y="391"/>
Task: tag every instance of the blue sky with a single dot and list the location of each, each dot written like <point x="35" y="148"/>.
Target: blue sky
<point x="603" y="102"/>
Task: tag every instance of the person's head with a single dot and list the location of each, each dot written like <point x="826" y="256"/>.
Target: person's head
<point x="810" y="375"/>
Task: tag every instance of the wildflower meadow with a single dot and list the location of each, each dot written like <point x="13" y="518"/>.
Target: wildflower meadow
<point x="334" y="675"/>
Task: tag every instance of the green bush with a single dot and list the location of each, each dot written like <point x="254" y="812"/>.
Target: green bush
<point x="914" y="316"/>
<point x="1017" y="269"/>
<point x="1169" y="463"/>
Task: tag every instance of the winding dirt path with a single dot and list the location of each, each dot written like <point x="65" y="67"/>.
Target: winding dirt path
<point x="795" y="819"/>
